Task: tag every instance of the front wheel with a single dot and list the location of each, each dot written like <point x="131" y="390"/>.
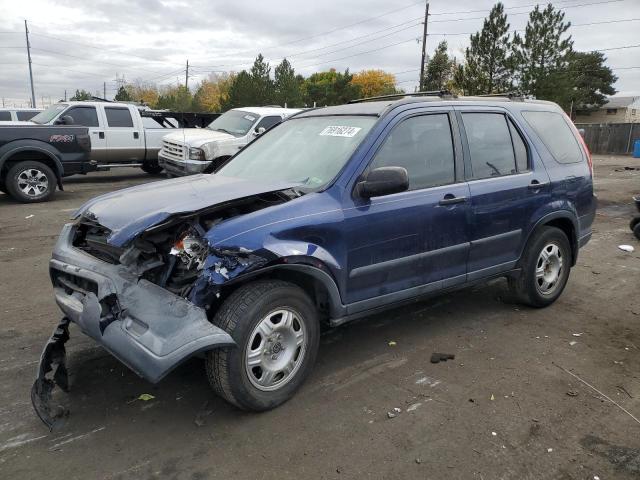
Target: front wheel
<point x="30" y="181"/>
<point x="276" y="330"/>
<point x="151" y="167"/>
<point x="546" y="264"/>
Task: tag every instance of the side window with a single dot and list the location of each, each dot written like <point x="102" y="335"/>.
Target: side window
<point x="424" y="146"/>
<point x="85" y="116"/>
<point x="268" y="122"/>
<point x="489" y="145"/>
<point x="118" y="117"/>
<point x="554" y="132"/>
<point x="24" y="116"/>
<point x="519" y="148"/>
<point x="5" y="116"/>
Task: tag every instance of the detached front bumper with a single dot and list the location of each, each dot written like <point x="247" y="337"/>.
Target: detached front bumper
<point x="182" y="167"/>
<point x="146" y="327"/>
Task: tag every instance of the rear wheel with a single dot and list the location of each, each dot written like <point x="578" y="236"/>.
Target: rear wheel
<point x="545" y="268"/>
<point x="636" y="230"/>
<point x="30" y="182"/>
<point x="634" y="221"/>
<point x="276" y="330"/>
<point x="151" y="167"/>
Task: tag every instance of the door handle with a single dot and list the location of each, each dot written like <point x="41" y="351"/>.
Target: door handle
<point x="536" y="185"/>
<point x="450" y="199"/>
<point x="100" y="134"/>
<point x="136" y="135"/>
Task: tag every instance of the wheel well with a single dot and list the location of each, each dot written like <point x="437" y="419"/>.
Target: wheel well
<point x="29" y="155"/>
<point x="566" y="225"/>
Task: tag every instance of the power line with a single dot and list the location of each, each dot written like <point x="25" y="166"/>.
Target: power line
<point x="618" y="48"/>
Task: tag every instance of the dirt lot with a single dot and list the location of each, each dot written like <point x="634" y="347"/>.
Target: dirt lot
<point x="502" y="409"/>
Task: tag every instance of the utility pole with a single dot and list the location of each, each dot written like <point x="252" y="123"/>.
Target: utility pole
<point x="104" y="90"/>
<point x="33" y="94"/>
<point x="65" y="94"/>
<point x="186" y="76"/>
<point x="424" y="47"/>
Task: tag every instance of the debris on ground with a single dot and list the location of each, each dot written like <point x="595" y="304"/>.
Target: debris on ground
<point x="492" y="397"/>
<point x="29" y="216"/>
<point x="576" y="334"/>
<point x="441" y="357"/>
<point x="572" y="342"/>
<point x="144" y="397"/>
<point x="549" y="450"/>
<point x="394" y="413"/>
<point x="572" y="393"/>
<point x="204" y="412"/>
<point x="626" y="248"/>
<point x="392" y="343"/>
<point x="494" y="434"/>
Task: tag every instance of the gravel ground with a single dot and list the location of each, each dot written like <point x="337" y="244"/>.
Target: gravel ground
<point x="506" y="407"/>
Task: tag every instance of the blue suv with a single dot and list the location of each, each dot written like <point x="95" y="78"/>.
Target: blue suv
<point x="336" y="213"/>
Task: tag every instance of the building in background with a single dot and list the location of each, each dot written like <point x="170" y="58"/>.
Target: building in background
<point x="616" y="110"/>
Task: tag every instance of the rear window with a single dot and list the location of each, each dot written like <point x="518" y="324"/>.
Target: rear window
<point x="557" y="136"/>
<point x="5" y="116"/>
<point x="24" y="116"/>
<point x="118" y="117"/>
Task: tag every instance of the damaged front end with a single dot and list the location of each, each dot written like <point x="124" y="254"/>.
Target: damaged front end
<point x="150" y="301"/>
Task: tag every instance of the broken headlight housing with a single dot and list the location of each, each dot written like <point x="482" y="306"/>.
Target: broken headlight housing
<point x="196" y="154"/>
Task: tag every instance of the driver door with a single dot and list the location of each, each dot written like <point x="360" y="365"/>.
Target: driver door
<point x="408" y="243"/>
<point x="87" y="116"/>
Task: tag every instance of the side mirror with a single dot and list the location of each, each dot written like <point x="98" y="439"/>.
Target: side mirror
<point x="64" y="120"/>
<point x="384" y="181"/>
<point x="259" y="131"/>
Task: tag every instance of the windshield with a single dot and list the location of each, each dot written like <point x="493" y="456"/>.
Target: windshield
<point x="310" y="151"/>
<point x="235" y="122"/>
<point x="49" y="114"/>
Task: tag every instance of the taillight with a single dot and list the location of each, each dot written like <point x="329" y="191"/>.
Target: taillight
<point x="583" y="143"/>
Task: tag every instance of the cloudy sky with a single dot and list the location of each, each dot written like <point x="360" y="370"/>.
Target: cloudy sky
<point x="84" y="44"/>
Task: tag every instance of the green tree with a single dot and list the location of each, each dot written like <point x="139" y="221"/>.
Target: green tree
<point x="262" y="85"/>
<point x="122" y="95"/>
<point x="240" y="92"/>
<point x="488" y="58"/>
<point x="329" y="88"/>
<point x="287" y="86"/>
<point x="177" y="99"/>
<point x="439" y="69"/>
<point x="81" y="95"/>
<point x="542" y="53"/>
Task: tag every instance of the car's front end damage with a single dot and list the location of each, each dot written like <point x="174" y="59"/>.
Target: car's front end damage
<point x="146" y="288"/>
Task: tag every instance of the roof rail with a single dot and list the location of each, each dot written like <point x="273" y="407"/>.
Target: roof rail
<point x="510" y="95"/>
<point x="433" y="93"/>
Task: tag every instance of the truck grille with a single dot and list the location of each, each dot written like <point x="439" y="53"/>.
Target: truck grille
<point x="172" y="150"/>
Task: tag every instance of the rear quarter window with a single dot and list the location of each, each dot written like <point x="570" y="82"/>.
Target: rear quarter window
<point x="556" y="135"/>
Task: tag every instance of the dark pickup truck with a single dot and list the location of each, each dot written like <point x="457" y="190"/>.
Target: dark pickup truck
<point x="34" y="158"/>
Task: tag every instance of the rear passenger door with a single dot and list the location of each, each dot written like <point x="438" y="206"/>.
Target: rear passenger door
<point x="506" y="188"/>
<point x="125" y="143"/>
<point x="408" y="243"/>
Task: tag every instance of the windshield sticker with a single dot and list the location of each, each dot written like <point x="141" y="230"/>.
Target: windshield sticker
<point x="340" y="131"/>
<point x="250" y="118"/>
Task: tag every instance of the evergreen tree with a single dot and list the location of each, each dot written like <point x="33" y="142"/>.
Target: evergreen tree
<point x="487" y="59"/>
<point x="287" y="86"/>
<point x="329" y="88"/>
<point x="543" y="52"/>
<point x="262" y="85"/>
<point x="240" y="92"/>
<point x="439" y="69"/>
<point x="81" y="95"/>
<point x="122" y="95"/>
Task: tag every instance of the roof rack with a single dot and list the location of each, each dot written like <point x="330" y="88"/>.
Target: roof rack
<point x="432" y="93"/>
<point x="510" y="95"/>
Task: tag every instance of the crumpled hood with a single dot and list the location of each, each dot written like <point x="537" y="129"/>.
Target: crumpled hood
<point x="196" y="137"/>
<point x="130" y="211"/>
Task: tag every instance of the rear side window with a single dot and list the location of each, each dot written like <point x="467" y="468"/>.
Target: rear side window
<point x="268" y="122"/>
<point x="490" y="147"/>
<point x="85" y="116"/>
<point x="554" y="132"/>
<point x="423" y="145"/>
<point x="23" y="116"/>
<point x="5" y="116"/>
<point x="118" y="117"/>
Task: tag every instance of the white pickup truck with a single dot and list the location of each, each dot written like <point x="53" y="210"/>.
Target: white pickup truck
<point x="120" y="135"/>
<point x="202" y="150"/>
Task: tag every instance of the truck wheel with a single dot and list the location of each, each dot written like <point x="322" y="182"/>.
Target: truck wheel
<point x="634" y="221"/>
<point x="31" y="182"/>
<point x="545" y="268"/>
<point x="636" y="231"/>
<point x="151" y="167"/>
<point x="3" y="187"/>
<point x="275" y="327"/>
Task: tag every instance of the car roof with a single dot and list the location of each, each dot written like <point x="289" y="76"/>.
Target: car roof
<point x="93" y="104"/>
<point x="380" y="107"/>
<point x="269" y="110"/>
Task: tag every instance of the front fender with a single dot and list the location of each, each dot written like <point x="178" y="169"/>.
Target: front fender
<point x="20" y="146"/>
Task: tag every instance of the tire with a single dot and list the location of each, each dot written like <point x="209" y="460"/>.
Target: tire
<point x="636" y="231"/>
<point x="3" y="187"/>
<point x="151" y="168"/>
<point x="30" y="182"/>
<point x="541" y="280"/>
<point x="272" y="304"/>
<point x="634" y="221"/>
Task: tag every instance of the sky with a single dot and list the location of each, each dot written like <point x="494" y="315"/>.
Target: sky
<point x="89" y="43"/>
